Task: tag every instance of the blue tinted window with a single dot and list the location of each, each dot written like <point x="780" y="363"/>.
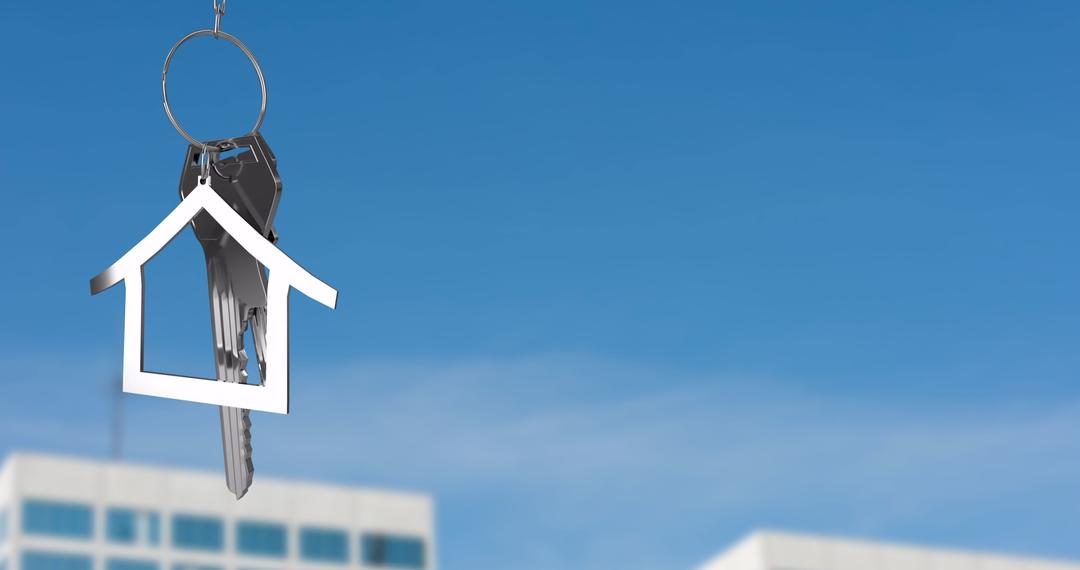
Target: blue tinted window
<point x="127" y="526"/>
<point x="262" y="539"/>
<point x="32" y="560"/>
<point x="3" y="528"/>
<point x="153" y="529"/>
<point x="324" y="545"/>
<point x="182" y="566"/>
<point x="395" y="551"/>
<point x="128" y="564"/>
<point x="50" y="518"/>
<point x="198" y="533"/>
<point x="120" y="526"/>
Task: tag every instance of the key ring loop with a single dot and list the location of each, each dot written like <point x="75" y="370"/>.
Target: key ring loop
<point x="232" y="39"/>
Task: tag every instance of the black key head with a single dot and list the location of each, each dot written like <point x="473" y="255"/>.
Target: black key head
<point x="243" y="171"/>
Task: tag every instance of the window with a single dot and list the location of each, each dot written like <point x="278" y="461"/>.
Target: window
<point x="195" y="567"/>
<point x="260" y="539"/>
<point x="3" y="528"/>
<point x="198" y="533"/>
<point x="395" y="551"/>
<point x="324" y="545"/>
<point x="126" y="526"/>
<point x="67" y="520"/>
<point x="128" y="564"/>
<point x="32" y="560"/>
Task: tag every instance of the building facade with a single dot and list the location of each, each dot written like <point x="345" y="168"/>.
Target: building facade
<point x="784" y="551"/>
<point x="60" y="513"/>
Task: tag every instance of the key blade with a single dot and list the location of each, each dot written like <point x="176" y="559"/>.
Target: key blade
<point x="236" y="444"/>
<point x="227" y="314"/>
<point x="249" y="182"/>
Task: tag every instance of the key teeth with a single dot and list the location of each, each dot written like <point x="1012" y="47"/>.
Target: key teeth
<point x="247" y="444"/>
<point x="243" y="454"/>
<point x="246" y="451"/>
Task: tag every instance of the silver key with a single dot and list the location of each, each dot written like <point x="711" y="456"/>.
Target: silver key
<point x="231" y="363"/>
<point x="248" y="181"/>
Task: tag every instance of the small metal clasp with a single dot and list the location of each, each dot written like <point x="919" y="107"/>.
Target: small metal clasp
<point x="219" y="11"/>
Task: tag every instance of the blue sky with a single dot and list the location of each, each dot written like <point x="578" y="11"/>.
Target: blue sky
<point x="620" y="281"/>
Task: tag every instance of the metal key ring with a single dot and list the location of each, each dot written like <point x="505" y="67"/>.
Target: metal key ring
<point x="235" y="42"/>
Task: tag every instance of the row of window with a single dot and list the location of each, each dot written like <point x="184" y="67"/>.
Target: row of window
<point x="37" y="560"/>
<point x="207" y="533"/>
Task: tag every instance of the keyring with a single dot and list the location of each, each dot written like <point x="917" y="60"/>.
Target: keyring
<point x="235" y="42"/>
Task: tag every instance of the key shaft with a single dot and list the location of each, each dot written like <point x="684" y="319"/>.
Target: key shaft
<point x="248" y="181"/>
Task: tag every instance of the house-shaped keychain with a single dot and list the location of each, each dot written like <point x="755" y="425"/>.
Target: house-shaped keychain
<point x="284" y="275"/>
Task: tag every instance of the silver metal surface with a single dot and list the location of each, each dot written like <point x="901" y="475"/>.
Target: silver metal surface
<point x="231" y="362"/>
<point x="249" y="183"/>
<point x="219" y="11"/>
<point x="215" y="33"/>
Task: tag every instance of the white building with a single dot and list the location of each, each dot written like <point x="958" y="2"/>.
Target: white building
<point x="60" y="513"/>
<point x="783" y="551"/>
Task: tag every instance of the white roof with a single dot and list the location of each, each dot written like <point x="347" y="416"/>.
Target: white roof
<point x="771" y="550"/>
<point x="203" y="198"/>
<point x="173" y="490"/>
